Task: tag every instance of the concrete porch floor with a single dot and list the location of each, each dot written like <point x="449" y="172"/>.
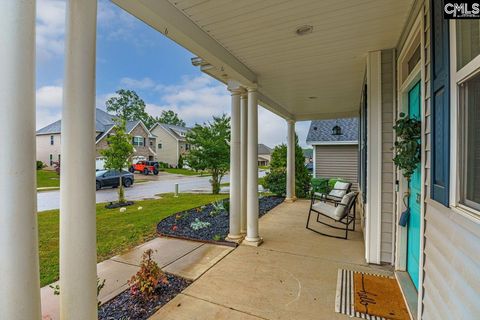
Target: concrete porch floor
<point x="292" y="275"/>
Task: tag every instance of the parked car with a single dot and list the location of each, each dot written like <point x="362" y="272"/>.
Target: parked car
<point x="111" y="178"/>
<point x="145" y="167"/>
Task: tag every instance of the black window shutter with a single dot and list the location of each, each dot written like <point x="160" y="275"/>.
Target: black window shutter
<point x="144" y="142"/>
<point x="440" y="102"/>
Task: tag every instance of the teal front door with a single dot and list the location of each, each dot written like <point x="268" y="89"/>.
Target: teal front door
<point x="413" y="234"/>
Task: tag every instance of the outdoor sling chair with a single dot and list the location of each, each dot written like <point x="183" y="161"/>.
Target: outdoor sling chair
<point x="335" y="195"/>
<point x="340" y="213"/>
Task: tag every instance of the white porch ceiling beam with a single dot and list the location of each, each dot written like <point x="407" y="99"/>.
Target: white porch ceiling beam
<point x="164" y="17"/>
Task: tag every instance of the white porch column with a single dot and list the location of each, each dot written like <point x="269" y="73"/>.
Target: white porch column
<point x="78" y="256"/>
<point x="19" y="268"/>
<point x="252" y="237"/>
<point x="243" y="166"/>
<point x="234" y="233"/>
<point x="291" y="162"/>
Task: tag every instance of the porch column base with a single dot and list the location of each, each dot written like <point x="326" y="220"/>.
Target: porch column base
<point x="291" y="199"/>
<point x="235" y="238"/>
<point x="253" y="242"/>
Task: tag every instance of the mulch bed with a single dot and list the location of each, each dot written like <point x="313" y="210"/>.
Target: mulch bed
<point x="115" y="205"/>
<point x="179" y="225"/>
<point x="126" y="307"/>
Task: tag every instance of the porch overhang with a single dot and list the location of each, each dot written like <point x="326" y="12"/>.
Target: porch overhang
<point x="316" y="75"/>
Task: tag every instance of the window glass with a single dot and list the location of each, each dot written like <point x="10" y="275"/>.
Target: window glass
<point x="470" y="104"/>
<point x="138" y="141"/>
<point x="468" y="41"/>
<point x="159" y="146"/>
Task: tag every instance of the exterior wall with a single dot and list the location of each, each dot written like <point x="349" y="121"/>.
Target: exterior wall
<point x="451" y="241"/>
<point x="170" y="150"/>
<point x="388" y="171"/>
<point x="337" y="161"/>
<point x="45" y="149"/>
<point x="143" y="151"/>
<point x="451" y="264"/>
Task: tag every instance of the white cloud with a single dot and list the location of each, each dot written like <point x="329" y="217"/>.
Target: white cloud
<point x="50" y="28"/>
<point x="197" y="99"/>
<point x="145" y="83"/>
<point x="49" y="97"/>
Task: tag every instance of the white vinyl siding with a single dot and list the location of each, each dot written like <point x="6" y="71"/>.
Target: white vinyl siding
<point x="337" y="162"/>
<point x="451" y="251"/>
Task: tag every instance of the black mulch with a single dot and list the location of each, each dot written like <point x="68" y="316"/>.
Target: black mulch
<point x="126" y="307"/>
<point x="179" y="225"/>
<point x="115" y="205"/>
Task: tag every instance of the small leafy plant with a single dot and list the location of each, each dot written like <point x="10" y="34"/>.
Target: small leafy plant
<point x="218" y="207"/>
<point x="407" y="146"/>
<point x="197" y="224"/>
<point x="144" y="283"/>
<point x="217" y="237"/>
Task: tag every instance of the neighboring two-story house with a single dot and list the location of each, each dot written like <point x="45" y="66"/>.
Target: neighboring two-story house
<point x="144" y="142"/>
<point x="170" y="142"/>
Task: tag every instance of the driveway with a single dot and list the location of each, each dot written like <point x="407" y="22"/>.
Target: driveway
<point x="49" y="200"/>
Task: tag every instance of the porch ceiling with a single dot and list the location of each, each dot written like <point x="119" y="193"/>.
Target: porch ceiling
<point x="255" y="42"/>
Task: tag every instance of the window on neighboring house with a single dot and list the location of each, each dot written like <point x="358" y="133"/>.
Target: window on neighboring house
<point x="138" y="141"/>
<point x="187" y="147"/>
<point x="470" y="135"/>
<point x="51" y="160"/>
<point x="159" y="146"/>
<point x="52" y="140"/>
<point x="151" y="143"/>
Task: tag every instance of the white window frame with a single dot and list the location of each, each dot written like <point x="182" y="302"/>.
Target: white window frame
<point x="468" y="71"/>
<point x="135" y="143"/>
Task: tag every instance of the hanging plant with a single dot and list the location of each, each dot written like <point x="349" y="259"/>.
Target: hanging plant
<point x="407" y="153"/>
<point x="407" y="146"/>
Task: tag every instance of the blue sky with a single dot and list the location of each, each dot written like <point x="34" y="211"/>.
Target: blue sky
<point x="132" y="55"/>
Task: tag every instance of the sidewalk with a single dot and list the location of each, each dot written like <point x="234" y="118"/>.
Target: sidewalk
<point x="187" y="259"/>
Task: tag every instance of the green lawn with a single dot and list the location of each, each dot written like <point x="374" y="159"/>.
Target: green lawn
<point x="116" y="232"/>
<point x="47" y="178"/>
<point x="185" y="172"/>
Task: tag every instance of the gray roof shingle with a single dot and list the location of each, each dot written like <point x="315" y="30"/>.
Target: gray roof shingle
<point x="104" y="122"/>
<point x="321" y="130"/>
<point x="263" y="149"/>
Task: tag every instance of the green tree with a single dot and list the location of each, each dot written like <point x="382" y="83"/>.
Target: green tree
<point x="127" y="105"/>
<point x="276" y="179"/>
<point x="169" y="117"/>
<point x="180" y="162"/>
<point x="210" y="149"/>
<point x="118" y="153"/>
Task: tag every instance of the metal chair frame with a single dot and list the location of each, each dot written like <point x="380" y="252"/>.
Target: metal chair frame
<point x="347" y="220"/>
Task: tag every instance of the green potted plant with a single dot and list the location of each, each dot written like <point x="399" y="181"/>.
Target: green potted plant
<point x="407" y="153"/>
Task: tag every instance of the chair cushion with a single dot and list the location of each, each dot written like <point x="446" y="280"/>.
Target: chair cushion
<point x="342" y="209"/>
<point x="339" y="189"/>
<point x="325" y="208"/>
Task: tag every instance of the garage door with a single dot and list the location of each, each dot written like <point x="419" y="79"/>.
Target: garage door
<point x="337" y="161"/>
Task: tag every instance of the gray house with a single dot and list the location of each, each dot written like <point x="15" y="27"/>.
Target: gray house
<point x="335" y="148"/>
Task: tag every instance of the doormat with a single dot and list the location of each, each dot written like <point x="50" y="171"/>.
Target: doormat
<point x="369" y="296"/>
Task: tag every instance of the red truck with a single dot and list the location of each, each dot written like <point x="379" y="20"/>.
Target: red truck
<point x="145" y="167"/>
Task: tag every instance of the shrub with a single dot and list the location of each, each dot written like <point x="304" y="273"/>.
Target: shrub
<point x="276" y="179"/>
<point x="180" y="162"/>
<point x="217" y="237"/>
<point x="144" y="283"/>
<point x="40" y="165"/>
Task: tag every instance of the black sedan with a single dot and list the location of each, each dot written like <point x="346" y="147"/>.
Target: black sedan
<point x="111" y="178"/>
